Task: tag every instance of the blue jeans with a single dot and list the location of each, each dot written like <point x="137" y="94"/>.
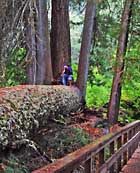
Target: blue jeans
<point x="64" y="79"/>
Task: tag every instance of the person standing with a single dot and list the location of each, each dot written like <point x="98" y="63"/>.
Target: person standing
<point x="65" y="74"/>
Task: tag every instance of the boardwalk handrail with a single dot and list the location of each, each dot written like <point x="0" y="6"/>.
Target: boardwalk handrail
<point x="108" y="154"/>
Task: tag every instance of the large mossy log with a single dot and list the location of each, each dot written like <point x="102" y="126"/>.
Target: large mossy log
<point x="26" y="108"/>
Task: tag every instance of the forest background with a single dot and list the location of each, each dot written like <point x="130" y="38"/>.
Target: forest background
<point x="100" y="39"/>
<point x="106" y="30"/>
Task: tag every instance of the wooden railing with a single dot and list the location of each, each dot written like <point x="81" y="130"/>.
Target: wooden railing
<point x="107" y="155"/>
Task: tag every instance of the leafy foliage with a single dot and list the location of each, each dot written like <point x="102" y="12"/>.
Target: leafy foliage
<point x="65" y="140"/>
<point x="14" y="165"/>
<point x="98" y="89"/>
<point x="15" y="70"/>
<point x="74" y="68"/>
<point x="15" y="73"/>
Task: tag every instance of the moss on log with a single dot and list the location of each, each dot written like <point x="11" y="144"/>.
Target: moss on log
<point x="26" y="108"/>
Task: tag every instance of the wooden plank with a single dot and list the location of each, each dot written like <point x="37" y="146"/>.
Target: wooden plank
<point x="133" y="165"/>
<point x="136" y="156"/>
<point x="132" y="168"/>
<point x="133" y="161"/>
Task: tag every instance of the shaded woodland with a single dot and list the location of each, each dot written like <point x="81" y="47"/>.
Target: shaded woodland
<point x="99" y="39"/>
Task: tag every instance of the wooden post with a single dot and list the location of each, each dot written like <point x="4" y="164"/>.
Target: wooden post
<point x="133" y="146"/>
<point x="136" y="142"/>
<point x="125" y="153"/>
<point x="88" y="166"/>
<point x="134" y="131"/>
<point x="130" y="148"/>
<point x="101" y="157"/>
<point x="95" y="164"/>
<point x="119" y="144"/>
<point x="111" y="152"/>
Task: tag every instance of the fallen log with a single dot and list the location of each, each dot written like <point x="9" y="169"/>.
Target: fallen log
<point x="26" y="108"/>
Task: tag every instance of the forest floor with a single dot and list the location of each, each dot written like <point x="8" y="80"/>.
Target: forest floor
<point x="63" y="135"/>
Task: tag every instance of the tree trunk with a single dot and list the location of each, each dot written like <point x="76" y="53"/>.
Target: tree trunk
<point x="114" y="103"/>
<point x="32" y="46"/>
<point x="60" y="36"/>
<point x="85" y="47"/>
<point x="25" y="109"/>
<point x="6" y="20"/>
<point x="44" y="66"/>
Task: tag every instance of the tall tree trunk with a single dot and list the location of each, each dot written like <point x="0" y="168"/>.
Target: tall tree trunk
<point x="32" y="47"/>
<point x="44" y="66"/>
<point x="60" y="36"/>
<point x="85" y="47"/>
<point x="114" y="103"/>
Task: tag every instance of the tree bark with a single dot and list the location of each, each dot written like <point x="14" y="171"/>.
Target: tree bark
<point x="32" y="45"/>
<point x="60" y="36"/>
<point x="44" y="65"/>
<point x="85" y="47"/>
<point x="114" y="103"/>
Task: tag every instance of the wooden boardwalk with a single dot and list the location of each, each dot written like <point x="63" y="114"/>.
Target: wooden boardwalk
<point x="133" y="165"/>
<point x="118" y="146"/>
